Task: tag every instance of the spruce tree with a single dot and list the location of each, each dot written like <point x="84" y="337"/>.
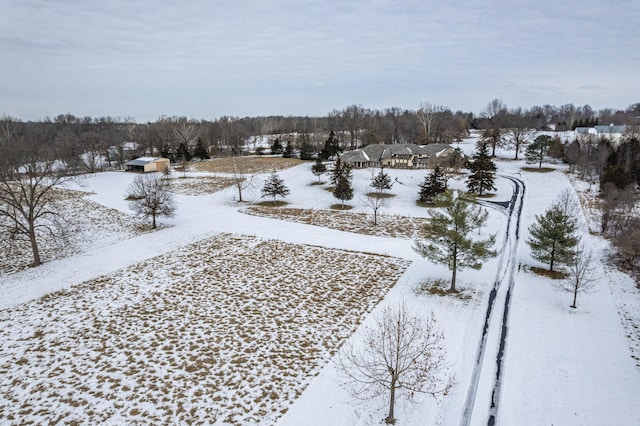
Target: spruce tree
<point x="483" y="171"/>
<point x="288" y="150"/>
<point x="307" y="150"/>
<point x="434" y="184"/>
<point x="274" y="186"/>
<point x="331" y="147"/>
<point x="201" y="151"/>
<point x="341" y="180"/>
<point x="276" y="146"/>
<point x="183" y="154"/>
<point x="318" y="168"/>
<point x="381" y="182"/>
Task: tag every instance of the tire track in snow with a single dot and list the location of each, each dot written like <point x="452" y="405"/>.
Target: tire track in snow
<point x="506" y="271"/>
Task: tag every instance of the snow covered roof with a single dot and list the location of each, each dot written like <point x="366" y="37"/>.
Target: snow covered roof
<point x="141" y="161"/>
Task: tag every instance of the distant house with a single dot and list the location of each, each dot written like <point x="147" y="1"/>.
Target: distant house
<point x="611" y="132"/>
<point x="147" y="164"/>
<point x="404" y="156"/>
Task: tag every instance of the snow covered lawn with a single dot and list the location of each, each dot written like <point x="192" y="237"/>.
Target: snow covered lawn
<point x="88" y="224"/>
<point x="230" y="328"/>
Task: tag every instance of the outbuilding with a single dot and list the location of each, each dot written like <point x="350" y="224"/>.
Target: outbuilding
<point x="147" y="164"/>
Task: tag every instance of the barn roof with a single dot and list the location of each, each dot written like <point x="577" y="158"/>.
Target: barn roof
<point x="142" y="161"/>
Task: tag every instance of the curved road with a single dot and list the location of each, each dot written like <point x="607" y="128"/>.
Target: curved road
<point x="483" y="392"/>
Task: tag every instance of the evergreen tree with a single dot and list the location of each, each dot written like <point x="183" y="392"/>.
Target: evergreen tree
<point x="434" y="184"/>
<point x="537" y="150"/>
<point x="274" y="186"/>
<point x="183" y="154"/>
<point x="331" y="147"/>
<point x="449" y="242"/>
<point x="276" y="146"/>
<point x="288" y="150"/>
<point x="307" y="150"/>
<point x="318" y="168"/>
<point x="201" y="150"/>
<point x="343" y="189"/>
<point x="341" y="180"/>
<point x="165" y="152"/>
<point x="553" y="236"/>
<point x="381" y="182"/>
<point x="483" y="171"/>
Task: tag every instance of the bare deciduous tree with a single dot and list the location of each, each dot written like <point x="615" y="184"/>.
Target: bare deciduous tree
<point x="150" y="197"/>
<point x="241" y="178"/>
<point x="30" y="172"/>
<point x="581" y="276"/>
<point x="401" y="354"/>
<point x="375" y="201"/>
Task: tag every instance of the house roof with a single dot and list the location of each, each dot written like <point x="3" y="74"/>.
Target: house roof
<point x="601" y="130"/>
<point x="142" y="161"/>
<point x="377" y="152"/>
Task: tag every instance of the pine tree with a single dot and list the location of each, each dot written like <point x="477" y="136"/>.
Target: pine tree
<point x="553" y="236"/>
<point x="449" y="242"/>
<point x="483" y="171"/>
<point x="201" y="151"/>
<point x="288" y="150"/>
<point x="307" y="150"/>
<point x="183" y="154"/>
<point x="341" y="180"/>
<point x="381" y="181"/>
<point x="331" y="147"/>
<point x="434" y="184"/>
<point x="318" y="168"/>
<point x="343" y="189"/>
<point x="274" y="186"/>
<point x="276" y="146"/>
<point x="537" y="149"/>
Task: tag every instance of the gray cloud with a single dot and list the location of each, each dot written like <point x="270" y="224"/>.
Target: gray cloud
<point x="212" y="58"/>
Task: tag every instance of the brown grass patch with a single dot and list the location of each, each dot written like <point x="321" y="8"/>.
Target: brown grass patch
<point x="554" y="275"/>
<point x="245" y="164"/>
<point x="380" y="195"/>
<point x="539" y="169"/>
<point x="440" y="287"/>
<point x="341" y="207"/>
<point x="272" y="203"/>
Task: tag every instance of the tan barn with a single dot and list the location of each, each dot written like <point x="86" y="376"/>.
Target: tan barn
<point x="147" y="164"/>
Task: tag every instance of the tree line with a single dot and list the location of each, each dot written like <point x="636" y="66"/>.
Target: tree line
<point x="180" y="137"/>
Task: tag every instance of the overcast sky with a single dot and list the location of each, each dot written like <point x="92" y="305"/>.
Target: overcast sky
<point x="205" y="59"/>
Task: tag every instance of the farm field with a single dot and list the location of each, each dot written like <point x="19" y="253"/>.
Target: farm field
<point x="229" y="328"/>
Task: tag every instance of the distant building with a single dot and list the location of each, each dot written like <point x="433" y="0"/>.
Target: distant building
<point x="403" y="156"/>
<point x="147" y="164"/>
<point x="611" y="132"/>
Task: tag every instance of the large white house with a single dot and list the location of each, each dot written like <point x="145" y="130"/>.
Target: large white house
<point x="405" y="156"/>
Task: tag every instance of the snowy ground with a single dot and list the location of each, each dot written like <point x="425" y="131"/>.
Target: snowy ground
<point x="562" y="366"/>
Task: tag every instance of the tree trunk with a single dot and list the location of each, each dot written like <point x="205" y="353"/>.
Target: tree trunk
<point x="34" y="246"/>
<point x="454" y="269"/>
<point x="575" y="296"/>
<point x="390" y="420"/>
<point x="153" y="218"/>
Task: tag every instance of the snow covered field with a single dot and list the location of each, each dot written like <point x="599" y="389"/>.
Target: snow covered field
<point x="196" y="321"/>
